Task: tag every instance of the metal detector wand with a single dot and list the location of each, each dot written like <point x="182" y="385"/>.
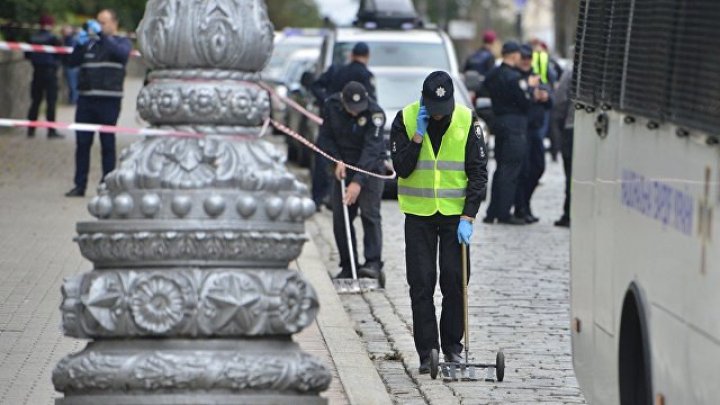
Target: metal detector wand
<point x="346" y="216"/>
<point x="465" y="299"/>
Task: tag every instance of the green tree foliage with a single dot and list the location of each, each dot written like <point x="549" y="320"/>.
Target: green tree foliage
<point x="283" y="13"/>
<point x="293" y="13"/>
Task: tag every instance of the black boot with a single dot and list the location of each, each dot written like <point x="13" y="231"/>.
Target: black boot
<point x="75" y="192"/>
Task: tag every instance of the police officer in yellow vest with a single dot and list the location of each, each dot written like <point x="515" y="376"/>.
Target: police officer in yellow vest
<point x="439" y="153"/>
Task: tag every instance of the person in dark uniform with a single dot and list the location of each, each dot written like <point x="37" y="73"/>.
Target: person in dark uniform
<point x="102" y="57"/>
<point x="352" y="133"/>
<point x="336" y="77"/>
<point x="566" y="116"/>
<point x="511" y="96"/>
<point x="439" y="153"/>
<point x="483" y="60"/>
<point x="44" y="81"/>
<point x="534" y="164"/>
<point x="70" y="73"/>
<point x="332" y="82"/>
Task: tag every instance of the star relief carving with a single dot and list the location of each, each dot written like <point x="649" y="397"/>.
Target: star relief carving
<point x="230" y="296"/>
<point x="104" y="300"/>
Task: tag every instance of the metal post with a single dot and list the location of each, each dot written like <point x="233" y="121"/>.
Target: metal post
<point x="191" y="299"/>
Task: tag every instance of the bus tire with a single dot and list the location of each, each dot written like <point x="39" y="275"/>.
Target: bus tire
<point x="634" y="366"/>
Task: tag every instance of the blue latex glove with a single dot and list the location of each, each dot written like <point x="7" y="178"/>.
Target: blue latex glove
<point x="464" y="232"/>
<point x="422" y="121"/>
<point x="82" y="38"/>
<point x="93" y="27"/>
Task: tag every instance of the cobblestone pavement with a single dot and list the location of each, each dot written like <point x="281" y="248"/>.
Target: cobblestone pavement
<point x="519" y="302"/>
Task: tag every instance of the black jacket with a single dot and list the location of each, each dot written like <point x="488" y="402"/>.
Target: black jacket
<point x="509" y="92"/>
<point x="102" y="66"/>
<point x="354" y="140"/>
<point x="405" y="155"/>
<point x="336" y="77"/>
<point x="537" y="109"/>
<point x="40" y="59"/>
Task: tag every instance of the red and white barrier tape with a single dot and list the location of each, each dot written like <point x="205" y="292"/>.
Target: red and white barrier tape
<point x="77" y="126"/>
<point x="292" y="103"/>
<point x="30" y="26"/>
<point x="25" y="47"/>
<point x="313" y="147"/>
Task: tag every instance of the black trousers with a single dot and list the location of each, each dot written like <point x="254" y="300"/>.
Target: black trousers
<point x="44" y="86"/>
<point x="567" y="151"/>
<point x="368" y="203"/>
<point x="320" y="178"/>
<point x="95" y="110"/>
<point x="423" y="235"/>
<point x="510" y="154"/>
<point x="532" y="170"/>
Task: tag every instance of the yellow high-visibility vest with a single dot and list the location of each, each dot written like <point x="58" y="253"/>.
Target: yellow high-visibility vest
<point x="438" y="183"/>
<point x="540" y="63"/>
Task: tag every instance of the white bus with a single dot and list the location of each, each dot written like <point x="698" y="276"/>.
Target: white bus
<point x="645" y="244"/>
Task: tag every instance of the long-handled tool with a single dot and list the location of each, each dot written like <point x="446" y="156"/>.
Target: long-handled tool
<point x="352" y="285"/>
<point x="466" y="371"/>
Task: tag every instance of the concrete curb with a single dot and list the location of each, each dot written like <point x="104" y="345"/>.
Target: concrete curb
<point x="358" y="375"/>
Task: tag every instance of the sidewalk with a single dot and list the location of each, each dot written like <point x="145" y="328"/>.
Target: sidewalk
<point x="37" y="252"/>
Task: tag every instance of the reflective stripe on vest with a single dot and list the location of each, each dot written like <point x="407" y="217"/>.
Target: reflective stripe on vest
<point x="438" y="183"/>
<point x="540" y="65"/>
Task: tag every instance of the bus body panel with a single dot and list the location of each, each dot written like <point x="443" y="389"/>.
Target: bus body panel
<point x="582" y="255"/>
<point x="638" y="199"/>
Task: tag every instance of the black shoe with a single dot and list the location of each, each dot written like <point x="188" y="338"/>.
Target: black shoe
<point x="55" y="135"/>
<point x="424" y="366"/>
<point x="489" y="220"/>
<point x="563" y="222"/>
<point x="343" y="274"/>
<point x="75" y="192"/>
<point x="453" y="358"/>
<point x="31" y="132"/>
<point x="370" y="270"/>
<point x="512" y="221"/>
<point x="530" y="219"/>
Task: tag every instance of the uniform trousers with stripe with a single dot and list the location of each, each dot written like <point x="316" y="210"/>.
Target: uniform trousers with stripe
<point x="430" y="241"/>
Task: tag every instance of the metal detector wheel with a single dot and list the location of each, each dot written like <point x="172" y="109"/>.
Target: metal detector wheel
<point x="500" y="366"/>
<point x="434" y="363"/>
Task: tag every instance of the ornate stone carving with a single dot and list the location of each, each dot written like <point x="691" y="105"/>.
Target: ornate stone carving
<point x="192" y="247"/>
<point x="183" y="163"/>
<point x="152" y="371"/>
<point x="203" y="74"/>
<point x="190" y="299"/>
<point x="187" y="303"/>
<point x="216" y="34"/>
<point x="209" y="102"/>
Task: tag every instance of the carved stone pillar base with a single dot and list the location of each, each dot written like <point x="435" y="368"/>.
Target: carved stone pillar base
<point x="179" y="371"/>
<point x="190" y="300"/>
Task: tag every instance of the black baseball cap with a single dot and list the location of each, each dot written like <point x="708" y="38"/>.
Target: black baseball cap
<point x="437" y="93"/>
<point x="355" y="97"/>
<point x="361" y="49"/>
<point x="526" y="51"/>
<point x="510" y="47"/>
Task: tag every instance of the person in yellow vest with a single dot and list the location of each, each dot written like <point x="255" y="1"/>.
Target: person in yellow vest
<point x="439" y="153"/>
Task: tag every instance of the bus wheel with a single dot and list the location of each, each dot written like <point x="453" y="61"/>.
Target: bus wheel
<point x="634" y="352"/>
